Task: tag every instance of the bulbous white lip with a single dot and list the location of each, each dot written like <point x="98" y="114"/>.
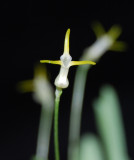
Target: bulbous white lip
<point x="61" y="80"/>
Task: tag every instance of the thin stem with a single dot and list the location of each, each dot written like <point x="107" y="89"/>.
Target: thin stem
<point x="56" y="113"/>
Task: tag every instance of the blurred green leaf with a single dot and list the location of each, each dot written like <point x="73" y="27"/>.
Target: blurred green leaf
<point x="110" y="125"/>
<point x="90" y="148"/>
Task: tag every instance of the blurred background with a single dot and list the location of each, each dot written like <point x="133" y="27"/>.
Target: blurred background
<point x="34" y="30"/>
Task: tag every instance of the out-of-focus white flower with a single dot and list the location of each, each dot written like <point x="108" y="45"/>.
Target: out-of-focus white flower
<point x="105" y="41"/>
<point x="40" y="86"/>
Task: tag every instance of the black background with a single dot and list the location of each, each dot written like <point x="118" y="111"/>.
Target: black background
<point x="34" y="30"/>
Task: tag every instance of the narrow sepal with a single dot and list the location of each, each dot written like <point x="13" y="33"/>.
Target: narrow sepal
<point x="66" y="43"/>
<point x="98" y="29"/>
<point x="25" y="86"/>
<point x="119" y="46"/>
<point x="115" y="31"/>
<point x="73" y="63"/>
<point x="50" y="61"/>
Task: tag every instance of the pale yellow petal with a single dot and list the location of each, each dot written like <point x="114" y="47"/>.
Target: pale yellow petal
<point x="114" y="31"/>
<point x="73" y="63"/>
<point x="25" y="86"/>
<point x="40" y="70"/>
<point x="51" y="62"/>
<point x="98" y="29"/>
<point x="119" y="46"/>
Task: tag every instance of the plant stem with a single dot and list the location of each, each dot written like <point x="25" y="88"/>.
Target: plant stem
<point x="76" y="109"/>
<point x="56" y="113"/>
<point x="44" y="132"/>
<point x="92" y="53"/>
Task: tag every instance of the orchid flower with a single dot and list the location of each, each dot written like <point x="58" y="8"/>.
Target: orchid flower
<point x="66" y="62"/>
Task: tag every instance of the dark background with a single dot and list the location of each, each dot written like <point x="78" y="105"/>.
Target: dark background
<point x="34" y="30"/>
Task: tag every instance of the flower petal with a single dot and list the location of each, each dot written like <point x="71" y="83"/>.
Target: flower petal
<point x="98" y="29"/>
<point x="119" y="46"/>
<point x="114" y="32"/>
<point x="40" y="71"/>
<point x="25" y="86"/>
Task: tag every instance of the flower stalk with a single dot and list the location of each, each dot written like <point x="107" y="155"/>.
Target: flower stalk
<point x="105" y="41"/>
<point x="58" y="94"/>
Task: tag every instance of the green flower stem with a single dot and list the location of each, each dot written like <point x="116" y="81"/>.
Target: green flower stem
<point x="93" y="53"/>
<point x="76" y="109"/>
<point x="44" y="132"/>
<point x="56" y="113"/>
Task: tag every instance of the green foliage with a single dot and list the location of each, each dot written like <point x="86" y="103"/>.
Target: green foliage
<point x="90" y="148"/>
<point x="109" y="122"/>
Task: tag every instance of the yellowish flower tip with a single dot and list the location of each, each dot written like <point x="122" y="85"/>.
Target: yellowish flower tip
<point x="25" y="86"/>
<point x="98" y="29"/>
<point x="74" y="63"/>
<point x="66" y="43"/>
<point x="51" y="62"/>
<point x="115" y="31"/>
<point x="28" y="85"/>
<point x="40" y="70"/>
<point x="119" y="46"/>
